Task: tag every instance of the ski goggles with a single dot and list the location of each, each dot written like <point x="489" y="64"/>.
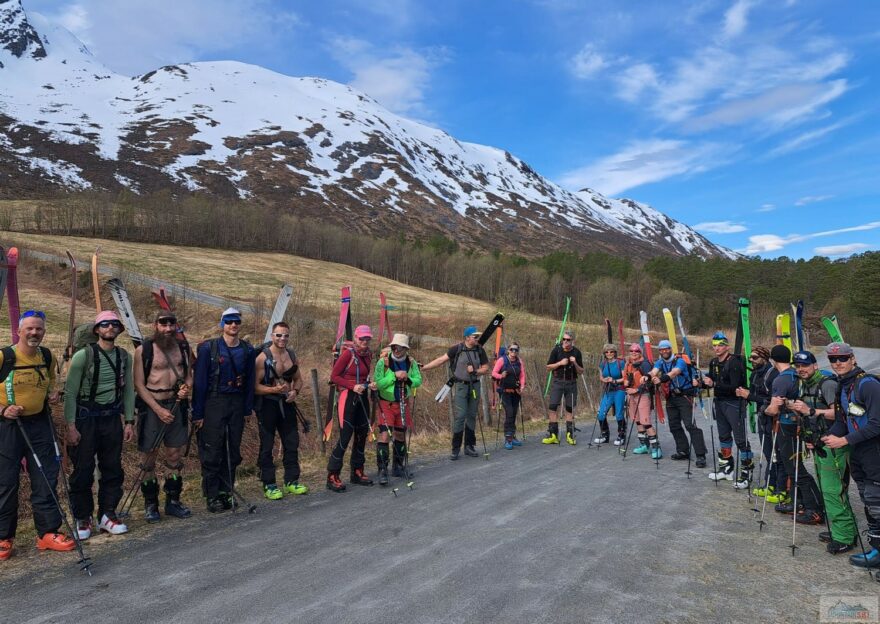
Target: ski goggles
<point x="720" y="342"/>
<point x="32" y="313"/>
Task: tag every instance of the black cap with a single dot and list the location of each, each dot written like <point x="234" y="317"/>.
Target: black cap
<point x="781" y="354"/>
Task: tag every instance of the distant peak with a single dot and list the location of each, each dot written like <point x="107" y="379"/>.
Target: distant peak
<point x="17" y="36"/>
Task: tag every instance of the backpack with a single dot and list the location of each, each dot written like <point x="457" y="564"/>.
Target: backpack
<point x="269" y="368"/>
<point x="147" y="361"/>
<point x="88" y="387"/>
<point x="9" y="364"/>
<point x="83" y="336"/>
<point x="214" y="375"/>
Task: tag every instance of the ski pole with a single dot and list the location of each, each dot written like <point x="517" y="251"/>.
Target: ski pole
<point x="84" y="562"/>
<point x="498" y="421"/>
<point x="797" y="465"/>
<point x="522" y="418"/>
<point x="691" y="438"/>
<point x="712" y="437"/>
<point x="480" y="420"/>
<point x="406" y="474"/>
<point x="631" y="426"/>
<point x="761" y="436"/>
<point x="131" y="495"/>
<point x="761" y="522"/>
<point x="233" y="492"/>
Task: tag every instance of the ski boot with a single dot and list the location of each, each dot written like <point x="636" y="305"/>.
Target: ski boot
<point x="744" y="479"/>
<point x="621" y="433"/>
<point x="642" y="449"/>
<point x="110" y="524"/>
<point x="214" y="505"/>
<point x="838" y="548"/>
<point x="725" y="468"/>
<point x="569" y="434"/>
<point x="508" y="443"/>
<point x="470" y="451"/>
<point x="869" y="559"/>
<point x="296" y="488"/>
<point x="515" y="442"/>
<point x="552" y="436"/>
<point x="810" y="516"/>
<point x="271" y="491"/>
<point x="399" y="461"/>
<point x="604" y="435"/>
<point x="228" y="501"/>
<point x="358" y="477"/>
<point x="762" y="492"/>
<point x="785" y="508"/>
<point x="150" y="490"/>
<point x="173" y="507"/>
<point x="656" y="453"/>
<point x="382" y="462"/>
<point x="778" y="497"/>
<point x="84" y="528"/>
<point x="701" y="461"/>
<point x="334" y="483"/>
<point x="456" y="445"/>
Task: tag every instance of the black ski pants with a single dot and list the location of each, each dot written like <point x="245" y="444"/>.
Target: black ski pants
<point x="808" y="493"/>
<point x="680" y="412"/>
<point x="278" y="416"/>
<point x="865" y="465"/>
<point x="100" y="435"/>
<point x="730" y="415"/>
<point x="224" y="414"/>
<point x="510" y="401"/>
<point x="355" y="423"/>
<point x="47" y="517"/>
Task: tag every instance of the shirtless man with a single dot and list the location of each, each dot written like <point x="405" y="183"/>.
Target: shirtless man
<point x="162" y="380"/>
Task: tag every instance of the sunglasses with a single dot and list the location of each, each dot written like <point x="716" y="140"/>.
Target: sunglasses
<point x="365" y="339"/>
<point x="634" y="351"/>
<point x="106" y="324"/>
<point x="837" y="359"/>
<point x="611" y="352"/>
<point x="513" y="350"/>
<point x="755" y="358"/>
<point x="167" y="321"/>
<point x="232" y="322"/>
<point x="398" y="348"/>
<point x="566" y="340"/>
<point x="281" y="335"/>
<point x="31" y="313"/>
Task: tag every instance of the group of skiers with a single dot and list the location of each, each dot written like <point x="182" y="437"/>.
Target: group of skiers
<point x="836" y="415"/>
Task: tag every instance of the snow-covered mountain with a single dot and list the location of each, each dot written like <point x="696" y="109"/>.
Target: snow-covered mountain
<point x="310" y="146"/>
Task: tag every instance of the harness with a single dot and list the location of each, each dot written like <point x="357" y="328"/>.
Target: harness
<point x="7" y="371"/>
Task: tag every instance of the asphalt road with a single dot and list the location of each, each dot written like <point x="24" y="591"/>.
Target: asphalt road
<point x="539" y="534"/>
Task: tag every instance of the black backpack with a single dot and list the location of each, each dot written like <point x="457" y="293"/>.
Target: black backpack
<point x="9" y="362"/>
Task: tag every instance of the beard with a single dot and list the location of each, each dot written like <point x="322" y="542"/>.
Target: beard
<point x="164" y="341"/>
<point x="33" y="342"/>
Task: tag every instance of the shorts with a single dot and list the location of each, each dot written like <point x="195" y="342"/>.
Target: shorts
<point x="389" y="414"/>
<point x="149" y="426"/>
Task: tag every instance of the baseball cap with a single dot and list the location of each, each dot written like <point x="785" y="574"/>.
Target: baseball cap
<point x="664" y="344"/>
<point x="471" y="330"/>
<point x="804" y="357"/>
<point x="838" y="348"/>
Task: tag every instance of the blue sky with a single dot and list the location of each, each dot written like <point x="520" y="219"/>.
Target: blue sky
<point x="756" y="121"/>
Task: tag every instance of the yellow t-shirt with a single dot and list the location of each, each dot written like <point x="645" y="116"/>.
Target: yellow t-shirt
<point x="30" y="386"/>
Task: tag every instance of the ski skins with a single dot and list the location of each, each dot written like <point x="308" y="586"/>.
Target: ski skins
<point x="558" y="341"/>
<point x="744" y="305"/>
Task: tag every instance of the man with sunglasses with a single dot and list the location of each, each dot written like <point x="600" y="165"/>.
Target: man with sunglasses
<point x="162" y="380"/>
<point x="673" y="371"/>
<point x="859" y="406"/>
<point x="397" y="376"/>
<point x="223" y="396"/>
<point x="29" y="386"/>
<point x="565" y="363"/>
<point x="98" y="396"/>
<point x="468" y="361"/>
<point x="613" y="395"/>
<point x="727" y="372"/>
<point x="351" y="374"/>
<point x="278" y="384"/>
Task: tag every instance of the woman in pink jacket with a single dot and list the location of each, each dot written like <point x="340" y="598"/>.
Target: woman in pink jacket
<point x="510" y="376"/>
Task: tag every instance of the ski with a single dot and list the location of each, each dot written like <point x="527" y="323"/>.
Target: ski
<point x="744" y="323"/>
<point x="783" y="329"/>
<point x="622" y="341"/>
<point x="670" y="330"/>
<point x="798" y="310"/>
<point x="71" y="321"/>
<point x="279" y="310"/>
<point x="96" y="286"/>
<point x="493" y="325"/>
<point x="832" y="327"/>
<point x="646" y="337"/>
<point x="609" y="333"/>
<point x="4" y="272"/>
<point x="344" y="331"/>
<point x="558" y="341"/>
<point x="123" y="304"/>
<point x="12" y="292"/>
<point x="384" y="323"/>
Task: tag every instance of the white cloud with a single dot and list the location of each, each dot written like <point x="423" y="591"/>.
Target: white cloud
<point x="720" y="227"/>
<point x="587" y="62"/>
<point x="762" y="243"/>
<point x="137" y="36"/>
<point x="840" y="250"/>
<point x="642" y="162"/>
<point x="767" y="208"/>
<point x="398" y="78"/>
<point x="736" y="18"/>
<point x="634" y="80"/>
<point x="812" y="199"/>
<point x="807" y="139"/>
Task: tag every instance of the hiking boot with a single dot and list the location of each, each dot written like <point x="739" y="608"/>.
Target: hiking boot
<point x="550" y="438"/>
<point x="762" y="492"/>
<point x="701" y="461"/>
<point x="641" y="450"/>
<point x="271" y="491"/>
<point x="359" y="478"/>
<point x="656" y="453"/>
<point x="785" y="508"/>
<point x="111" y="525"/>
<point x="680" y="456"/>
<point x="837" y="548"/>
<point x="84" y="528"/>
<point x="215" y="505"/>
<point x="151" y="512"/>
<point x="870" y="559"/>
<point x="5" y="549"/>
<point x="55" y="541"/>
<point x="825" y="537"/>
<point x="515" y="442"/>
<point x="470" y="451"/>
<point x="778" y="497"/>
<point x="570" y="438"/>
<point x="508" y="444"/>
<point x="173" y="507"/>
<point x="602" y="439"/>
<point x="454" y="454"/>
<point x="334" y="483"/>
<point x="809" y="516"/>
